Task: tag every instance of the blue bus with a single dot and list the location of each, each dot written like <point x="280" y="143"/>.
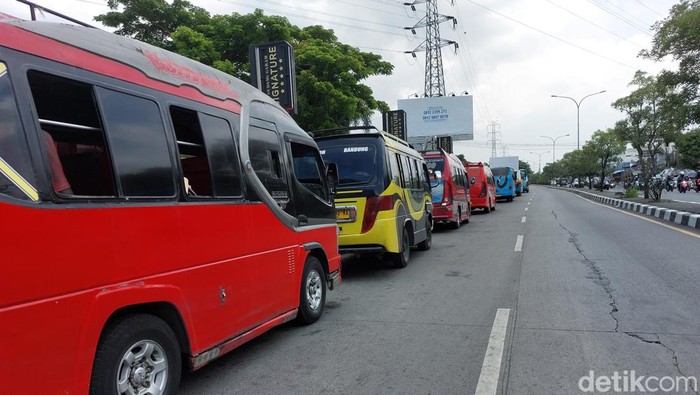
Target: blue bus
<point x="505" y="182"/>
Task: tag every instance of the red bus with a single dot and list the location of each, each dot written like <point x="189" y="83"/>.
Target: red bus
<point x="155" y="211"/>
<point x="483" y="187"/>
<point x="450" y="188"/>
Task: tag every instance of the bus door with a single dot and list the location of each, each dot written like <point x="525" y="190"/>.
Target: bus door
<point x="312" y="199"/>
<point x="277" y="261"/>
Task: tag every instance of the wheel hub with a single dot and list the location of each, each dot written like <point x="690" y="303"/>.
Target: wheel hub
<point x="139" y="376"/>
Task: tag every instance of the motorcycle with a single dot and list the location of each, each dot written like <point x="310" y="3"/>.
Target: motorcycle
<point x="669" y="186"/>
<point x="683" y="186"/>
<point x="697" y="185"/>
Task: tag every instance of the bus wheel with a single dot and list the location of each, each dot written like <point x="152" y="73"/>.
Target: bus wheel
<point x="137" y="355"/>
<point x="400" y="259"/>
<point x="313" y="292"/>
<point x="458" y="221"/>
<point x="428" y="242"/>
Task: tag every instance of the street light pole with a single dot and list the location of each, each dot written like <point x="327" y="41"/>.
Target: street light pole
<point x="554" y="144"/>
<point x="578" y="117"/>
<point x="539" y="155"/>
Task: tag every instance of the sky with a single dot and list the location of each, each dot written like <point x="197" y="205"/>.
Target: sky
<point x="512" y="56"/>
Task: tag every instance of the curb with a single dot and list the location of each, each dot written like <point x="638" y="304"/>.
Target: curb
<point x="678" y="217"/>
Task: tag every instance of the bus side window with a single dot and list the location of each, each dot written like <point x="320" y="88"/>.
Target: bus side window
<point x="67" y="112"/>
<point x="394" y="168"/>
<point x="138" y="143"/>
<point x="308" y="167"/>
<point x="192" y="152"/>
<point x="223" y="156"/>
<point x="405" y="171"/>
<point x="415" y="174"/>
<point x="425" y="184"/>
<point x="14" y="155"/>
<point x="268" y="165"/>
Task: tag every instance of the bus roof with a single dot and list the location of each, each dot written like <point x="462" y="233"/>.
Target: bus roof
<point x="153" y="62"/>
<point x="364" y="131"/>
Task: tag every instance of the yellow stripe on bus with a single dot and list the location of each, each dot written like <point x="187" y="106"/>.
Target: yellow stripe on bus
<point x="18" y="180"/>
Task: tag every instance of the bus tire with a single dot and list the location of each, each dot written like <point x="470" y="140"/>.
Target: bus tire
<point x="400" y="259"/>
<point x="312" y="299"/>
<point x="428" y="242"/>
<point x="458" y="222"/>
<point x="134" y="354"/>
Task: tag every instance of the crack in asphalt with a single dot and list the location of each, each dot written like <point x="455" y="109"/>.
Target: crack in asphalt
<point x="596" y="274"/>
<point x="599" y="277"/>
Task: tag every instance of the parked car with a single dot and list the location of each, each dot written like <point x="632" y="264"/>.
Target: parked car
<point x="482" y="186"/>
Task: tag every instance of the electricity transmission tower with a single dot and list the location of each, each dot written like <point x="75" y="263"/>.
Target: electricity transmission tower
<point x="433" y="44"/>
<point x="493" y="135"/>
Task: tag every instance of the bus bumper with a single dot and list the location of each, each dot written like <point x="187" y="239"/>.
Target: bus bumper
<point x="443" y="214"/>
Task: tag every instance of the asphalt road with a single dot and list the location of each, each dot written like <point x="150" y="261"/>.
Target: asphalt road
<point x="592" y="289"/>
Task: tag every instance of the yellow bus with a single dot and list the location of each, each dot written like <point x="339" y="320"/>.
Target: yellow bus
<point x="383" y="201"/>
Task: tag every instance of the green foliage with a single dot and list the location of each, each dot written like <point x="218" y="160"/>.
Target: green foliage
<point x="649" y="123"/>
<point x="689" y="149"/>
<point x="604" y="147"/>
<point x="631" y="193"/>
<point x="329" y="73"/>
<point x="678" y="37"/>
<point x="526" y="166"/>
<point x="152" y="21"/>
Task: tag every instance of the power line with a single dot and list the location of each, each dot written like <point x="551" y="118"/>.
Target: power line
<point x="594" y="24"/>
<point x="316" y="19"/>
<point x="647" y="7"/>
<point x="627" y="21"/>
<point x="553" y="36"/>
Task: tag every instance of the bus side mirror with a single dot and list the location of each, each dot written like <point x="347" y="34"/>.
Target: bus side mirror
<point x="332" y="177"/>
<point x="435" y="181"/>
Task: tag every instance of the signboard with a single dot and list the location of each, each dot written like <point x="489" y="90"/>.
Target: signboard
<point x="394" y="122"/>
<point x="445" y="142"/>
<point x="272" y="70"/>
<point x="440" y="116"/>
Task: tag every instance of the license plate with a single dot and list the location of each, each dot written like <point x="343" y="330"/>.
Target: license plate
<point x="345" y="214"/>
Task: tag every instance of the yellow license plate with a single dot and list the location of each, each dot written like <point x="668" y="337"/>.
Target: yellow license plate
<point x="344" y="214"/>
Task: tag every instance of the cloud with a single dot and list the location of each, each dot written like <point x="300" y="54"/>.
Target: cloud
<point x="512" y="56"/>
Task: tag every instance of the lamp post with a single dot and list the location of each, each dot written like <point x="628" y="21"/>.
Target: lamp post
<point x="554" y="144"/>
<point x="578" y="107"/>
<point x="539" y="164"/>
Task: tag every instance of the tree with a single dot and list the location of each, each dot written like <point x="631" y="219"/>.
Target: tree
<point x="579" y="164"/>
<point x="604" y="147"/>
<point x="152" y="21"/>
<point x="525" y="165"/>
<point x="689" y="149"/>
<point x="678" y="37"/>
<point x="644" y="128"/>
<point x="330" y="80"/>
<point x="329" y="73"/>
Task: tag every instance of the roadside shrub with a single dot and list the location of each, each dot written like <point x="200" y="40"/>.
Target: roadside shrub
<point x="631" y="192"/>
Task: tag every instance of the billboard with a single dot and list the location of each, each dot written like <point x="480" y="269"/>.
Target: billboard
<point x="394" y="122"/>
<point x="439" y="116"/>
<point x="272" y="70"/>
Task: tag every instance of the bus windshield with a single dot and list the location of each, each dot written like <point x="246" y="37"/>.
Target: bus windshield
<point x="356" y="163"/>
<point x="500" y="171"/>
<point x="436" y="165"/>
